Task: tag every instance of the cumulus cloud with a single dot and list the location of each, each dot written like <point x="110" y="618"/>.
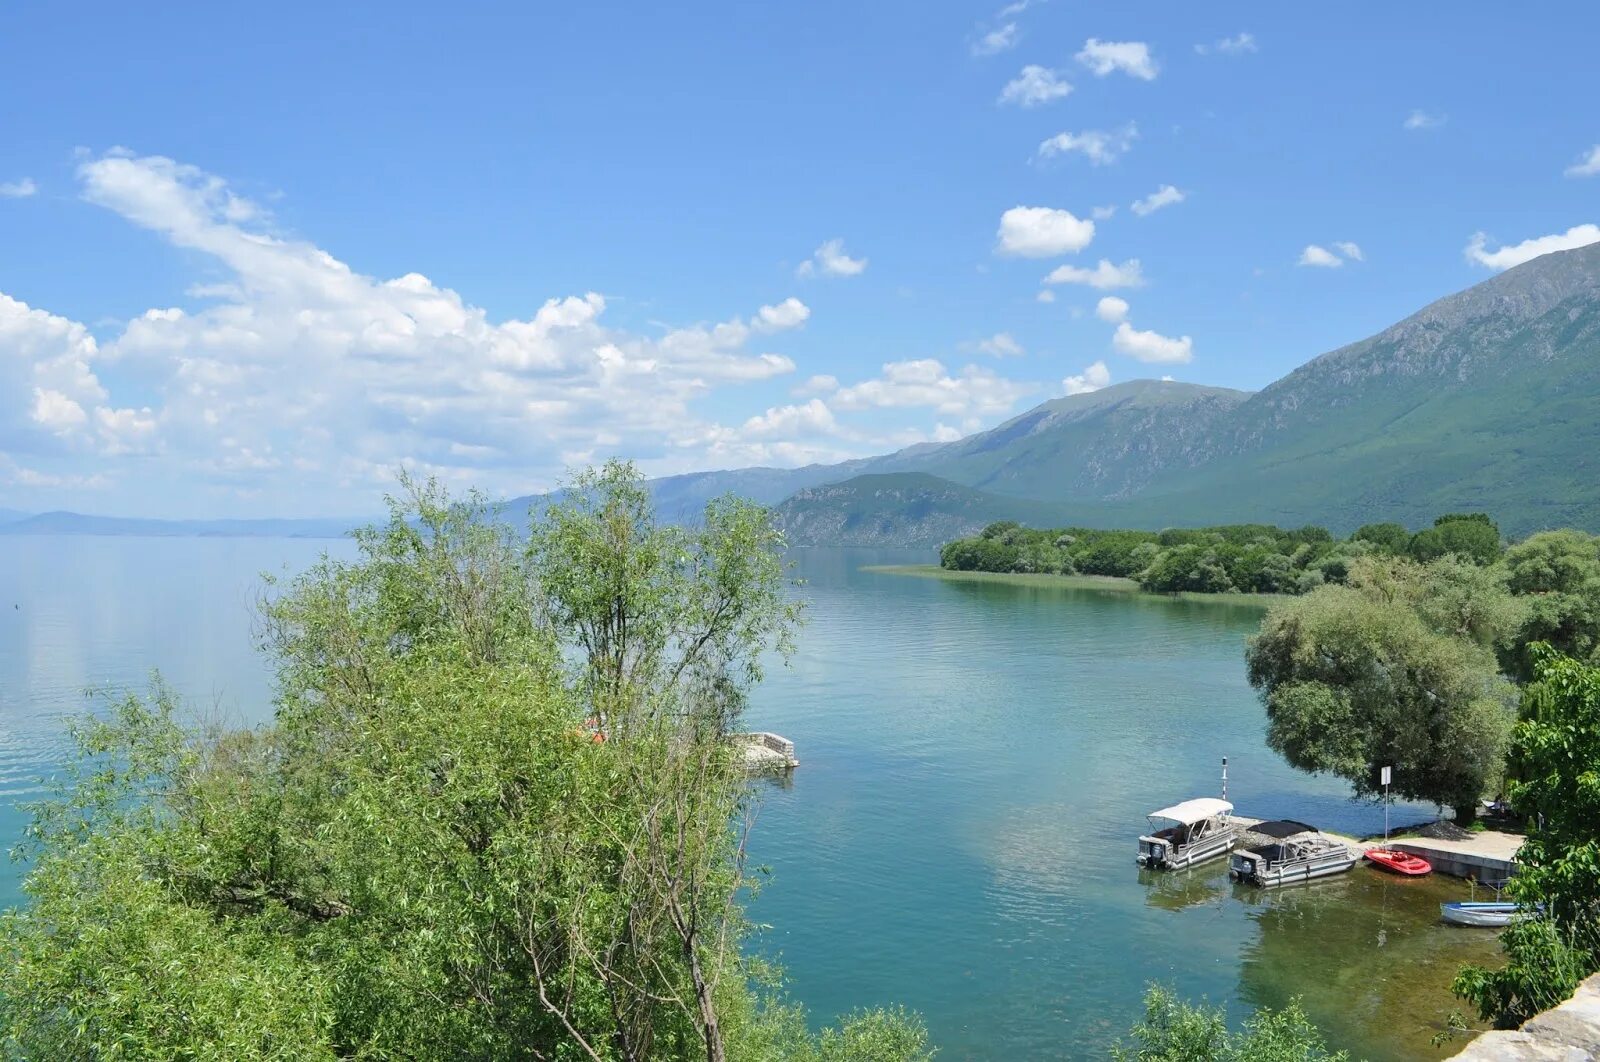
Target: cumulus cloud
<point x="1152" y="346"/>
<point x="19" y="189"/>
<point x="294" y="365"/>
<point x="1035" y="85"/>
<point x="1350" y="250"/>
<point x="1102" y="213"/>
<point x="1105" y="276"/>
<point x="1000" y="345"/>
<point x="924" y="382"/>
<point x="1046" y="296"/>
<point x="1420" y="119"/>
<point x="1516" y="254"/>
<point x="1316" y="255"/>
<point x="1100" y="147"/>
<point x="790" y="313"/>
<point x="1235" y="45"/>
<point x="1587" y="166"/>
<point x="1042" y="232"/>
<point x="995" y="41"/>
<point x="1093" y="377"/>
<point x="1111" y="309"/>
<point x="1164" y="196"/>
<point x="831" y="261"/>
<point x="1130" y="57"/>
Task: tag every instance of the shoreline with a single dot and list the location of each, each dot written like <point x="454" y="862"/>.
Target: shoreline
<point x="1108" y="584"/>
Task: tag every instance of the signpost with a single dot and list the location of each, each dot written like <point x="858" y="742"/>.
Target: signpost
<point x="1384" y="781"/>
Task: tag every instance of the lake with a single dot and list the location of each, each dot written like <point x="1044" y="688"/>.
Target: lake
<point x="976" y="762"/>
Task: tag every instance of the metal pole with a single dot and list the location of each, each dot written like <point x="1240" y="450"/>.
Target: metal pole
<point x="1385" y="814"/>
<point x="1224" y="778"/>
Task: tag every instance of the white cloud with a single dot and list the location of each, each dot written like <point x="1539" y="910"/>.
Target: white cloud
<point x="1105" y="276"/>
<point x="1350" y="250"/>
<point x="1106" y="57"/>
<point x="1046" y="296"/>
<point x="1420" y="119"/>
<point x="821" y="384"/>
<point x="831" y="261"/>
<point x="1515" y="254"/>
<point x="1092" y="378"/>
<point x="810" y="418"/>
<point x="1101" y="213"/>
<point x="1587" y="166"/>
<point x="1042" y="232"/>
<point x="1033" y="86"/>
<point x="1164" y="196"/>
<point x="302" y="376"/>
<point x="1111" y="309"/>
<point x="1100" y="147"/>
<point x="1235" y="45"/>
<point x="19" y="189"/>
<point x="975" y="392"/>
<point x="1152" y="346"/>
<point x="997" y="40"/>
<point x="1315" y="255"/>
<point x="790" y="313"/>
<point x="1000" y="345"/>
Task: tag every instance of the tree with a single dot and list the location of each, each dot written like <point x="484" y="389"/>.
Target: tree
<point x="1557" y="575"/>
<point x="1553" y="759"/>
<point x="1175" y="1031"/>
<point x="1470" y="535"/>
<point x="1389" y="538"/>
<point x="430" y="852"/>
<point x="1353" y="678"/>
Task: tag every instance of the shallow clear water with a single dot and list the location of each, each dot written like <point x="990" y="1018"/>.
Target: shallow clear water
<point x="976" y="758"/>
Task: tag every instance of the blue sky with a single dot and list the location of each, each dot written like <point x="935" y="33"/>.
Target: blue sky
<point x="252" y="262"/>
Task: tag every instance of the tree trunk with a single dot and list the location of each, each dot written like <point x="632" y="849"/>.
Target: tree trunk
<point x="708" y="1007"/>
<point x="1466" y="814"/>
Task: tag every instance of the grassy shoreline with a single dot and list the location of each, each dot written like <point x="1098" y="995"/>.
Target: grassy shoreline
<point x="1110" y="584"/>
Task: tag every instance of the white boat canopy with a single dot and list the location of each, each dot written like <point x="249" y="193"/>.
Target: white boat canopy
<point x="1192" y="811"/>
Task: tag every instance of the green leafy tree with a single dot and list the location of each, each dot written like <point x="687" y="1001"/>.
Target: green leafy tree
<point x="1175" y="1031"/>
<point x="1557" y="576"/>
<point x="1554" y="757"/>
<point x="431" y="852"/>
<point x="1389" y="538"/>
<point x="1469" y="535"/>
<point x="1355" y="678"/>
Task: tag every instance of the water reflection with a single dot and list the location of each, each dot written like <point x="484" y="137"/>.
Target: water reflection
<point x="1176" y="890"/>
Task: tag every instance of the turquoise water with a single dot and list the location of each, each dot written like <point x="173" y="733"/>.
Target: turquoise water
<point x="976" y="763"/>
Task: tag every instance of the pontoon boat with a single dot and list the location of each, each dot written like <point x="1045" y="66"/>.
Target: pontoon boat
<point x="1300" y="854"/>
<point x="1195" y="831"/>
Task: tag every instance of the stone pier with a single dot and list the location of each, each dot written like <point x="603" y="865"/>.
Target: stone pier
<point x="1568" y="1033"/>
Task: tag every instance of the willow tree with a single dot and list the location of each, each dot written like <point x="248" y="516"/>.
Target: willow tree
<point x="1396" y="669"/>
<point x="428" y="852"/>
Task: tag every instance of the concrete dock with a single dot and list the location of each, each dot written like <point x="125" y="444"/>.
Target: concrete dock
<point x="1488" y="857"/>
<point x="764" y="751"/>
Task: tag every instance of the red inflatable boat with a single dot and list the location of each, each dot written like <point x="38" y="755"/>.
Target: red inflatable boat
<point x="1400" y="862"/>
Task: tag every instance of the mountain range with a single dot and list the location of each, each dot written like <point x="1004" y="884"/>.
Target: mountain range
<point x="1486" y="400"/>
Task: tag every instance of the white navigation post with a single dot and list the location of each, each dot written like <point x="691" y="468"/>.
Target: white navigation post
<point x="1224" y="778"/>
<point x="1384" y="780"/>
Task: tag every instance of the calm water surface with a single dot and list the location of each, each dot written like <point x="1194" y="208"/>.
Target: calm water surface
<point x="976" y="763"/>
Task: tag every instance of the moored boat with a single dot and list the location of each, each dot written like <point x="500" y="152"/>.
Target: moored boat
<point x="1495" y="913"/>
<point x="1399" y="862"/>
<point x="1197" y="830"/>
<point x="1300" y="853"/>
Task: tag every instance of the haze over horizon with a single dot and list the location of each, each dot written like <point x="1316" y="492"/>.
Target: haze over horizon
<point x="497" y="246"/>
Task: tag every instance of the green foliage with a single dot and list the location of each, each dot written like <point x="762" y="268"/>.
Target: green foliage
<point x="429" y="853"/>
<point x="1245" y="558"/>
<point x="1554" y="757"/>
<point x="1175" y="1031"/>
<point x="1472" y="536"/>
<point x="1395" y="669"/>
<point x="1558" y="575"/>
<point x="1388" y="538"/>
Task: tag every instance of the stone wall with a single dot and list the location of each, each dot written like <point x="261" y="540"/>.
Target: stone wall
<point x="1569" y="1033"/>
